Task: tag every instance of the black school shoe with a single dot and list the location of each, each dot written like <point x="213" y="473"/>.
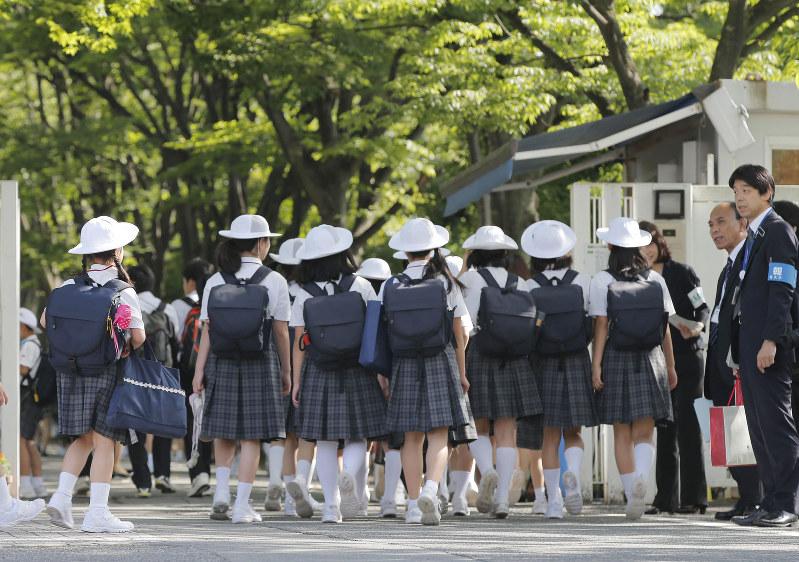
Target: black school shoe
<point x="777" y="519"/>
<point x="749" y="520"/>
<point x="737" y="511"/>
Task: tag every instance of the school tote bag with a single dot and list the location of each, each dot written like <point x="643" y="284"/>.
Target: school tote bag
<point x="149" y="398"/>
<point x="730" y="444"/>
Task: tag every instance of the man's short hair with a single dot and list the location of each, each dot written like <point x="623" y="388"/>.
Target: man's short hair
<point x="756" y="176"/>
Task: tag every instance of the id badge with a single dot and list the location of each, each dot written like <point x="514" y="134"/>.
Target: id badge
<point x="714" y="318"/>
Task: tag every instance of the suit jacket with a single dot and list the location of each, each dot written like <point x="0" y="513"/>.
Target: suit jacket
<point x="718" y="376"/>
<point x="764" y="308"/>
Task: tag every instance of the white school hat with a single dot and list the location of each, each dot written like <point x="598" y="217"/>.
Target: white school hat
<point x="624" y="232"/>
<point x="374" y="268"/>
<point x="455" y="264"/>
<point x="418" y="235"/>
<point x="27" y="317"/>
<point x="325" y="240"/>
<point x="102" y="234"/>
<point x="248" y="227"/>
<point x="287" y="253"/>
<point x="490" y="238"/>
<point x="548" y="239"/>
<point x="402" y="256"/>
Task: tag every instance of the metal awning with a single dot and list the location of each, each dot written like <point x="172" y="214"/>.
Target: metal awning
<point x="518" y="158"/>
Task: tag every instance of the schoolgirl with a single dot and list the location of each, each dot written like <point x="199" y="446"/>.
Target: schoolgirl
<point x="428" y="391"/>
<point x="83" y="400"/>
<point x="566" y="390"/>
<point x="335" y="400"/>
<point x="243" y="392"/>
<point x="288" y="266"/>
<point x="632" y="385"/>
<point x="502" y="389"/>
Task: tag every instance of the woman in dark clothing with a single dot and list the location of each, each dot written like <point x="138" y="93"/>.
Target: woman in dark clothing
<point x="679" y="443"/>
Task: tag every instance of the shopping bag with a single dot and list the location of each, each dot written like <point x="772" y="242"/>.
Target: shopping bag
<point x="730" y="444"/>
<point x="375" y="351"/>
<point x="149" y="398"/>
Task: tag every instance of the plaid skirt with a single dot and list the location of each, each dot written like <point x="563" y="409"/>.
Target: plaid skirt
<point x="243" y="399"/>
<point x="341" y="404"/>
<point x="83" y="403"/>
<point x="501" y="388"/>
<point x="566" y="390"/>
<point x="530" y="433"/>
<point x="636" y="386"/>
<point x="291" y="415"/>
<point x="426" y="393"/>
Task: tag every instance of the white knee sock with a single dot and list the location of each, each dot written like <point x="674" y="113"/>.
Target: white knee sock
<point x="304" y="470"/>
<point x="574" y="459"/>
<point x="222" y="481"/>
<point x="66" y="483"/>
<point x="443" y="488"/>
<point x="5" y="495"/>
<point x="327" y="469"/>
<point x="430" y="487"/>
<point x="99" y="495"/>
<point x="393" y="473"/>
<point x="460" y="483"/>
<point x="275" y="456"/>
<point x="540" y="494"/>
<point x="243" y="493"/>
<point x="552" y="483"/>
<point x="482" y="453"/>
<point x="627" y="483"/>
<point x="644" y="456"/>
<point x="354" y="457"/>
<point x="506" y="463"/>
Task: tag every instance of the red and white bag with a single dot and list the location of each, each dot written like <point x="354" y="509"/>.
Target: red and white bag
<point x="730" y="444"/>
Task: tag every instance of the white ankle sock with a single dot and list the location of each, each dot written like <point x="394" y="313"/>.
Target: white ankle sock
<point x="66" y="483"/>
<point x="288" y="478"/>
<point x="430" y="487"/>
<point x="327" y="469"/>
<point x="243" y="491"/>
<point x="540" y="494"/>
<point x="99" y="495"/>
<point x="38" y="482"/>
<point x="5" y="495"/>
<point x="482" y="453"/>
<point x="506" y="464"/>
<point x="552" y="483"/>
<point x="304" y="470"/>
<point x="26" y="481"/>
<point x="222" y="480"/>
<point x="627" y="484"/>
<point x="393" y="473"/>
<point x="275" y="456"/>
<point x="644" y="456"/>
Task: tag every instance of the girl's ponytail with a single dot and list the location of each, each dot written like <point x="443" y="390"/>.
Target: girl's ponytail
<point x="228" y="253"/>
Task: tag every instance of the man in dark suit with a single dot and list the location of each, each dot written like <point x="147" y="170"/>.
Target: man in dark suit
<point x="728" y="231"/>
<point x="762" y="317"/>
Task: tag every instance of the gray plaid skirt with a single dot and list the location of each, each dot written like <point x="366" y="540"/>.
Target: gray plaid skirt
<point x="566" y="390"/>
<point x="83" y="403"/>
<point x="530" y="433"/>
<point x="340" y="404"/>
<point x="501" y="388"/>
<point x="636" y="386"/>
<point x="426" y="393"/>
<point x="243" y="399"/>
<point x="291" y="415"/>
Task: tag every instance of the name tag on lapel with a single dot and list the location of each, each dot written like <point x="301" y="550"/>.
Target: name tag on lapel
<point x="782" y="273"/>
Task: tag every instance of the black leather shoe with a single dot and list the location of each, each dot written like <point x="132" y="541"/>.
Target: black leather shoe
<point x="749" y="520"/>
<point x="737" y="511"/>
<point x="777" y="519"/>
<point x="691" y="509"/>
<point x="655" y="510"/>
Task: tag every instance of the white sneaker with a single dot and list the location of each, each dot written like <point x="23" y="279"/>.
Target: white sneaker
<point x="60" y="511"/>
<point x="21" y="511"/>
<point x="331" y="514"/>
<point x="388" y="509"/>
<point x="429" y="506"/>
<point x="363" y="510"/>
<point x="199" y="485"/>
<point x="399" y="495"/>
<point x="555" y="508"/>
<point x="413" y="515"/>
<point x="26" y="491"/>
<point x="101" y="520"/>
<point x="82" y="486"/>
<point x="518" y="483"/>
<point x="315" y="505"/>
<point x="163" y="484"/>
<point x="289" y="507"/>
<point x="245" y="514"/>
<point x="443" y="503"/>
<point x="485" y="492"/>
<point x="221" y="505"/>
<point x="540" y="506"/>
<point x="41" y="491"/>
<point x="501" y="510"/>
<point x="471" y="493"/>
<point x="273" y="493"/>
<point x="350" y="504"/>
<point x="298" y="491"/>
<point x="573" y="500"/>
<point x="460" y="507"/>
<point x="635" y="504"/>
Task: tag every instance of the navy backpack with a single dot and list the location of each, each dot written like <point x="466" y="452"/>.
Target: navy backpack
<point x="80" y="326"/>
<point x="635" y="312"/>
<point x="419" y="321"/>
<point x="566" y="327"/>
<point x="506" y="320"/>
<point x="334" y="324"/>
<point x="239" y="323"/>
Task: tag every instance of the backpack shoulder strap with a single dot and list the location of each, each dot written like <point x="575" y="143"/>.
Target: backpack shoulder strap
<point x="569" y="278"/>
<point x="117" y="284"/>
<point x="314" y="290"/>
<point x="191" y="302"/>
<point x="161" y="307"/>
<point x="542" y="280"/>
<point x="259" y="275"/>
<point x="229" y="279"/>
<point x="616" y="276"/>
<point x="512" y="281"/>
<point x="346" y="283"/>
<point x="404" y="278"/>
<point x="488" y="278"/>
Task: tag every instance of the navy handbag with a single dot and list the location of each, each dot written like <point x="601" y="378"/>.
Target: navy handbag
<point x="375" y="351"/>
<point x="149" y="398"/>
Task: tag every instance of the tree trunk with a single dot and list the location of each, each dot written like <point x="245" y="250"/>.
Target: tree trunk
<point x="731" y="42"/>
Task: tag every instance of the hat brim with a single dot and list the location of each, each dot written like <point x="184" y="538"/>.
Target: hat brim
<point x="247" y="235"/>
<point x="472" y="243"/>
<point x="440" y="238"/>
<point x="124" y="234"/>
<point x="345" y="243"/>
<point x="545" y="253"/>
<point x="644" y="238"/>
<point x="277" y="258"/>
<point x="372" y="276"/>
